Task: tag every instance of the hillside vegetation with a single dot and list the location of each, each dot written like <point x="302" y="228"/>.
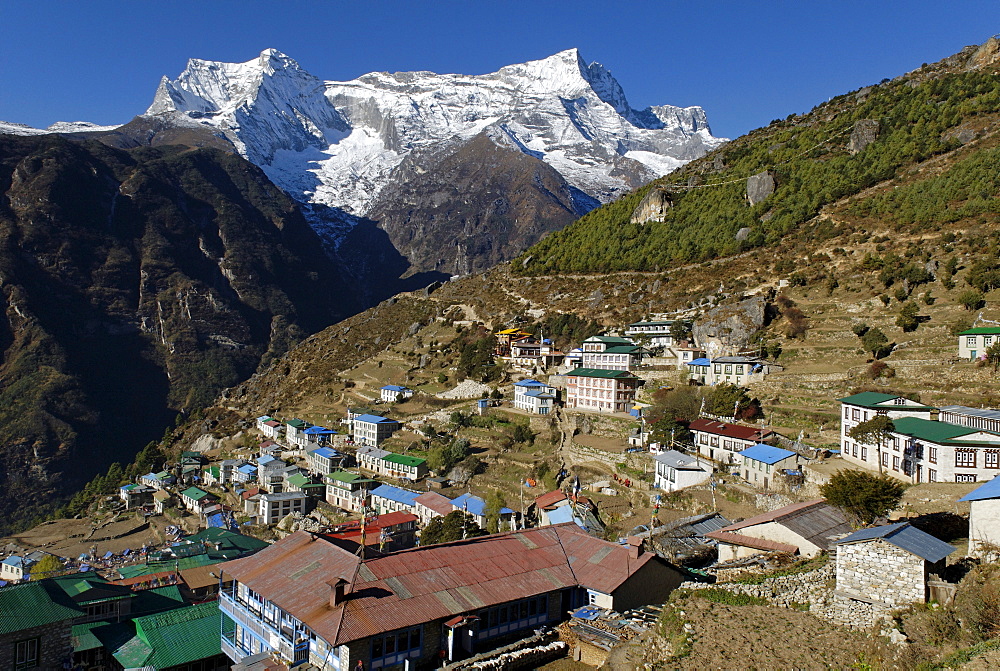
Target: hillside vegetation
<point x="815" y="163"/>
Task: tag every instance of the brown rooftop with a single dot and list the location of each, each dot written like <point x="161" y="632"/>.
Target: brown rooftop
<point x="422" y="584"/>
<point x="751" y="542"/>
<point x="729" y="430"/>
<point x="815" y="520"/>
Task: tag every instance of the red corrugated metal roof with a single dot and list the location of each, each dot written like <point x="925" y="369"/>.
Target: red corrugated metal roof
<point x="439" y="503"/>
<point x="751" y="542"/>
<point x="729" y="430"/>
<point x="549" y="499"/>
<point x="428" y="583"/>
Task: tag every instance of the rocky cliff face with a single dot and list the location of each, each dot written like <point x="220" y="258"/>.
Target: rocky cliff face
<point x="135" y="286"/>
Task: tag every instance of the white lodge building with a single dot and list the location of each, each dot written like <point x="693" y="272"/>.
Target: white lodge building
<point x="922" y="448"/>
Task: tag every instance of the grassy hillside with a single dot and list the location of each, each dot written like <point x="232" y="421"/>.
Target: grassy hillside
<point x="927" y="113"/>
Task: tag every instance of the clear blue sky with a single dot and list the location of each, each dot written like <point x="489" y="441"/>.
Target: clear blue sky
<point x="744" y="62"/>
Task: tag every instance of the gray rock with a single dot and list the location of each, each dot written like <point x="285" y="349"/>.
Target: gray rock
<point x="719" y="162"/>
<point x="865" y="132"/>
<point x="414" y="327"/>
<point x="653" y="207"/>
<point x="729" y="327"/>
<point x="695" y="180"/>
<point x="743" y="233"/>
<point x="760" y="186"/>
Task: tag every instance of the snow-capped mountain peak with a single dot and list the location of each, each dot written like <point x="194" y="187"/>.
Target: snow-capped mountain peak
<point x="338" y="143"/>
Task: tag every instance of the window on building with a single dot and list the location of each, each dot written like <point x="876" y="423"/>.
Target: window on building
<point x="932" y="454"/>
<point x="992" y="459"/>
<point x="965" y="477"/>
<point x="931" y="475"/>
<point x="895" y="463"/>
<point x="718" y="369"/>
<point x="970" y="341"/>
<point x="26" y="654"/>
<point x="885" y="459"/>
<point x="847" y="412"/>
<point x="987" y="341"/>
<point x="864" y="453"/>
<point x="965" y="459"/>
<point x="855" y="414"/>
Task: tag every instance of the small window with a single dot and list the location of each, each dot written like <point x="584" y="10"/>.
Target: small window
<point x="931" y="475"/>
<point x="26" y="655"/>
<point x="970" y="341"/>
<point x="965" y="477"/>
<point x="965" y="459"/>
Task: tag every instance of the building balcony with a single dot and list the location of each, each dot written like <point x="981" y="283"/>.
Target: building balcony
<point x="232" y="650"/>
<point x="247" y="615"/>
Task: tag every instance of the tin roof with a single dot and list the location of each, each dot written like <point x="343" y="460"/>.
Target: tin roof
<point x="729" y="430"/>
<point x="437" y="503"/>
<point x="403" y="459"/>
<point x="986" y="413"/>
<point x="941" y="432"/>
<point x="428" y="583"/>
<point x="982" y="330"/>
<point x="373" y="419"/>
<point x="989" y="490"/>
<point x="815" y="521"/>
<point x="549" y="499"/>
<point x="751" y="542"/>
<point x="404" y="496"/>
<point x="35" y="604"/>
<point x="766" y="454"/>
<point x="600" y="372"/>
<point x="905" y="536"/>
<point x="675" y="459"/>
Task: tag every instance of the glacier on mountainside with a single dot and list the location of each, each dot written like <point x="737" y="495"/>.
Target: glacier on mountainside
<point x="338" y="143"/>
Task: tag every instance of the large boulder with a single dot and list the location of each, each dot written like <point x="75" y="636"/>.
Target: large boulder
<point x="760" y="186"/>
<point x="653" y="207"/>
<point x="865" y="132"/>
<point x="727" y="328"/>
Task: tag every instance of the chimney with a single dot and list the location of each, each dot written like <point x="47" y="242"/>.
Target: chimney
<point x="338" y="592"/>
<point x="634" y="547"/>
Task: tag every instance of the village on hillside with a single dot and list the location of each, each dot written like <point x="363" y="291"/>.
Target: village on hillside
<point x="380" y="539"/>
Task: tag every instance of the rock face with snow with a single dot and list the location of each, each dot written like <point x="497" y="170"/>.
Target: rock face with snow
<point x="353" y="145"/>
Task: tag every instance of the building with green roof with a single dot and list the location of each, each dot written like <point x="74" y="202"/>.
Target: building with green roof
<point x="973" y="343"/>
<point x="169" y="640"/>
<point x="919" y="447"/>
<point x="404" y="467"/>
<point x="601" y="390"/>
<point x="36" y="620"/>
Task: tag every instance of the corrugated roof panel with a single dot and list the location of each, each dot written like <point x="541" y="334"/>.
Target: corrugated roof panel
<point x="599" y="555"/>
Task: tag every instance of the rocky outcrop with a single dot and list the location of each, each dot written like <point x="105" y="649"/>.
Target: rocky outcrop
<point x="728" y="328"/>
<point x="865" y="132"/>
<point x="760" y="186"/>
<point x="653" y="207"/>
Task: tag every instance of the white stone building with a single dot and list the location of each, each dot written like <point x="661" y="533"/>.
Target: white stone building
<point x="888" y="565"/>
<point x="984" y="520"/>
<point x="271" y="508"/>
<point x="675" y="471"/>
<point x="534" y="396"/>
<point x="806" y="529"/>
<point x="721" y="441"/>
<point x="393" y="393"/>
<point x="655" y="333"/>
<point x="973" y="343"/>
<point x="373" y="429"/>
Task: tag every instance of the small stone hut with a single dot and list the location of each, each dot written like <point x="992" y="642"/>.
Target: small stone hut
<point x="888" y="565"/>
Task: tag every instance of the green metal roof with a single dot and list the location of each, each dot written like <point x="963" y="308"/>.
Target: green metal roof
<point x="622" y="349"/>
<point x="982" y="330"/>
<point x="180" y="636"/>
<point x="344" y="476"/>
<point x="149" y="601"/>
<point x="403" y="459"/>
<point x="298" y="480"/>
<point x="214" y="470"/>
<point x="195" y="494"/>
<point x="229" y="540"/>
<point x="297" y="423"/>
<point x="609" y="340"/>
<point x="600" y="372"/>
<point x="873" y="399"/>
<point x="159" y="566"/>
<point x="937" y="432"/>
<point x="34" y="604"/>
<point x="83" y="638"/>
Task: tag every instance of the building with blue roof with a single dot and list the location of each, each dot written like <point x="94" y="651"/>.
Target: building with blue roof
<point x="389" y="499"/>
<point x="324" y="460"/>
<point x="245" y="473"/>
<point x="373" y="429"/>
<point x="534" y="397"/>
<point x="760" y="463"/>
<point x="889" y="565"/>
<point x="984" y="519"/>
<point x="393" y="393"/>
<point x="699" y="370"/>
<point x="476" y="507"/>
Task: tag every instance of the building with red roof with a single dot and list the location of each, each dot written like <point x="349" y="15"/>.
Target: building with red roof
<point x="721" y="441"/>
<point x="389" y="532"/>
<point x="306" y="598"/>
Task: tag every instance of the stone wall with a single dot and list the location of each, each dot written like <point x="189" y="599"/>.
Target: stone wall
<point x="813" y="590"/>
<point x="878" y="571"/>
<point x="54" y="645"/>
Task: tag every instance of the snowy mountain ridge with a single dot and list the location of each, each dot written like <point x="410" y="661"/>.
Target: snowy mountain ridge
<point x="338" y="143"/>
